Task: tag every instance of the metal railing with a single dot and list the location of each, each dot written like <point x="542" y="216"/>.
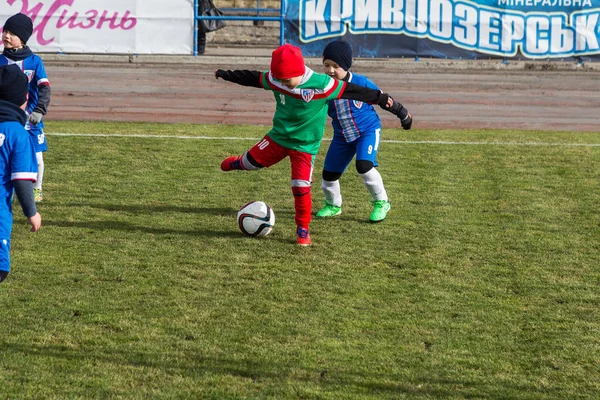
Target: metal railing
<point x="258" y="17"/>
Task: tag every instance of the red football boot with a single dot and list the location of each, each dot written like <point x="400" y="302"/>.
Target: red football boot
<point x="231" y="163"/>
<point x="303" y="237"/>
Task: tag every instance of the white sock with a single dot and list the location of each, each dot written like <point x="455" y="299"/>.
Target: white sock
<point x="40" y="176"/>
<point x="374" y="184"/>
<point x="246" y="164"/>
<point x="332" y="192"/>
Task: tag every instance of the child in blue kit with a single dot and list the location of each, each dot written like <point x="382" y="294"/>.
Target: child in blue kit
<point x="17" y="31"/>
<point x="18" y="168"/>
<point x="356" y="131"/>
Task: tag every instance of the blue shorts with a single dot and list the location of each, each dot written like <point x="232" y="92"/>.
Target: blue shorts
<point x="5" y="230"/>
<point x="39" y="140"/>
<point x="340" y="152"/>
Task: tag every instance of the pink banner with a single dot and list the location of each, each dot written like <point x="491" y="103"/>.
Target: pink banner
<point x="107" y="26"/>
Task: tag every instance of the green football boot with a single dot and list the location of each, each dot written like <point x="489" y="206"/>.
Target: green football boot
<point x="380" y="210"/>
<point x="329" y="211"/>
<point x="37" y="195"/>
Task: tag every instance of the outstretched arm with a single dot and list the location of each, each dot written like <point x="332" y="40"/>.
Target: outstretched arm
<point x="383" y="100"/>
<point x="241" y="77"/>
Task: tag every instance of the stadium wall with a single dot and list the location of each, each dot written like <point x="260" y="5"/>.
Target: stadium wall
<point x="443" y="29"/>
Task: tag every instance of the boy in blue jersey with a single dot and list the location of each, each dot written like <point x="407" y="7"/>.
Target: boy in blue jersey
<point x="356" y="131"/>
<point x="18" y="168"/>
<point x="17" y="31"/>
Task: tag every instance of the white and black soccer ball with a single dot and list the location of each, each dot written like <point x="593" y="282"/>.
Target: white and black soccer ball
<point x="256" y="219"/>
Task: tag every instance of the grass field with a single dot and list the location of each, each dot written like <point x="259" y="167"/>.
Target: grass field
<point x="483" y="282"/>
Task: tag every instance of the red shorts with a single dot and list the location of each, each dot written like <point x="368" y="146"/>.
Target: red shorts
<point x="267" y="153"/>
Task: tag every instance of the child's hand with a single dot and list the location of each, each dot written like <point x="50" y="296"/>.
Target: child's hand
<point x="406" y="122"/>
<point x="35" y="117"/>
<point x="35" y="222"/>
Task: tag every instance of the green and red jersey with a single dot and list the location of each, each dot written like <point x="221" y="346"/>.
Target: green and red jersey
<point x="301" y="113"/>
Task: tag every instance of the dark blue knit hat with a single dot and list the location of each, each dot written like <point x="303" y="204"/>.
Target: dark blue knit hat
<point x="20" y="25"/>
<point x="13" y="84"/>
<point x="340" y="52"/>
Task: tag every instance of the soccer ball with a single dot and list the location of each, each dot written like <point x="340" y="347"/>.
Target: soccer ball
<point x="256" y="219"/>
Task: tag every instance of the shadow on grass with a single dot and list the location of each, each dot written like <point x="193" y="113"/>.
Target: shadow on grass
<point x="358" y="219"/>
<point x="195" y="366"/>
<point x="104" y="225"/>
<point x="144" y="209"/>
<point x="127" y="227"/>
<point x="348" y="217"/>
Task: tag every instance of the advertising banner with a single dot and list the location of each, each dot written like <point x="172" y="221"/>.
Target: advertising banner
<point x="457" y="29"/>
<point x="107" y="26"/>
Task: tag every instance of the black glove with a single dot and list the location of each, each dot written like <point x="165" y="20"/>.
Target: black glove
<point x="406" y="122"/>
<point x="3" y="275"/>
<point x="397" y="109"/>
<point x="219" y="73"/>
<point x="382" y="100"/>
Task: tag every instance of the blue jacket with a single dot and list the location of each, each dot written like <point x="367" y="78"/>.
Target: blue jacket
<point x="39" y="85"/>
<point x="17" y="157"/>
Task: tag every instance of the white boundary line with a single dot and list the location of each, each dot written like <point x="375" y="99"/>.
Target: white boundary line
<point x="440" y="142"/>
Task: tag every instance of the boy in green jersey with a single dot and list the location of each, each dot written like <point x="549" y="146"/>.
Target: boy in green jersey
<point x="302" y="96"/>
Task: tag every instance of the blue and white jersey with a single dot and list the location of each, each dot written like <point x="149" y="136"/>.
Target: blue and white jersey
<point x="17" y="161"/>
<point x="17" y="158"/>
<point x="33" y="67"/>
<point x="351" y="117"/>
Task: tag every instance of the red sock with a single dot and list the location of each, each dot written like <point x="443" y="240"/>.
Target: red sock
<point x="303" y="205"/>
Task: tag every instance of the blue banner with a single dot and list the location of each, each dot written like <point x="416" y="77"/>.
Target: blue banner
<point x="456" y="29"/>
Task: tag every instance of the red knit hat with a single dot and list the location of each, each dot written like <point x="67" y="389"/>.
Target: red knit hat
<point x="287" y="62"/>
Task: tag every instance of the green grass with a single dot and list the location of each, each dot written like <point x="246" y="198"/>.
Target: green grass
<point x="482" y="283"/>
